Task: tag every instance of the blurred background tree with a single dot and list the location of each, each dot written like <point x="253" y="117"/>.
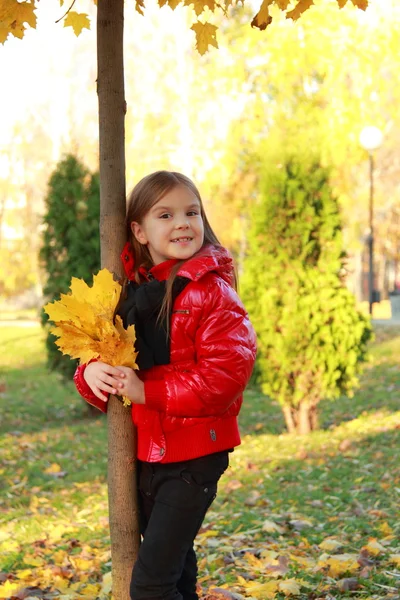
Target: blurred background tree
<point x="311" y="337"/>
<point x="71" y="240"/>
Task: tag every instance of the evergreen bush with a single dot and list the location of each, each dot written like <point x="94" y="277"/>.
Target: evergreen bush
<point x="311" y="337"/>
<point x="71" y="240"/>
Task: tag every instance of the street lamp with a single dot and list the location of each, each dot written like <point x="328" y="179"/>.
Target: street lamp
<point x="370" y="139"/>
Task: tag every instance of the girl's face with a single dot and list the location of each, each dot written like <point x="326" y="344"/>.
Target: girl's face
<point x="173" y="227"/>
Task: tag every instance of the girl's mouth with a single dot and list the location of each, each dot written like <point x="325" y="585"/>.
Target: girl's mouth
<point x="182" y="240"/>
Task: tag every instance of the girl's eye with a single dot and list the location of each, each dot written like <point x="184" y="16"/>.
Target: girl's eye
<point x="192" y="213"/>
<point x="164" y="216"/>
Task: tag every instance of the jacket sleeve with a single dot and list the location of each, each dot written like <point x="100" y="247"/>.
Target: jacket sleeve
<point x="86" y="392"/>
<point x="225" y="348"/>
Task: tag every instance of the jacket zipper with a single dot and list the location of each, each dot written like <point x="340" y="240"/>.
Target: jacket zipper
<point x="182" y="312"/>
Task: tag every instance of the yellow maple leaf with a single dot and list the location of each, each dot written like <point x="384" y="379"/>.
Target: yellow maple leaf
<point x="77" y="21"/>
<point x="200" y="5"/>
<point x="374" y="547"/>
<point x="282" y="4"/>
<point x="7" y="589"/>
<point x="298" y="10"/>
<point x="13" y="15"/>
<point x="341" y="3"/>
<point x="54" y="468"/>
<point x="139" y="7"/>
<point x="395" y="559"/>
<point x="330" y="545"/>
<point x="363" y="4"/>
<point x="205" y="36"/>
<point x="385" y="529"/>
<point x="271" y="527"/>
<point x="290" y="587"/>
<point x="339" y="564"/>
<point x="84" y="323"/>
<point x="260" y="590"/>
<point x="263" y="18"/>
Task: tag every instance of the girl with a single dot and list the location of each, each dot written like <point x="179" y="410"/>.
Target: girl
<point x="196" y="353"/>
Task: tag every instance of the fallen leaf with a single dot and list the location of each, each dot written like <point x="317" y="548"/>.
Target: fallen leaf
<point x="374" y="547"/>
<point x="290" y="587"/>
<point x="339" y="564"/>
<point x="252" y="498"/>
<point x="331" y="545"/>
<point x="271" y="527"/>
<point x="348" y="584"/>
<point x="299" y="524"/>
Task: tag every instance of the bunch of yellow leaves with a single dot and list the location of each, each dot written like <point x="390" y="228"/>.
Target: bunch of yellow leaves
<point x="85" y="326"/>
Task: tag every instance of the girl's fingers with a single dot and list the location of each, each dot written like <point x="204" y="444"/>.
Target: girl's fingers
<point x="109" y="370"/>
<point x="98" y="393"/>
<point x="104" y="387"/>
<point x="109" y="380"/>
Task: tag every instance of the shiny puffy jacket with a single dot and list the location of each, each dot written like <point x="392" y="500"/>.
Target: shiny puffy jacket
<point x="192" y="403"/>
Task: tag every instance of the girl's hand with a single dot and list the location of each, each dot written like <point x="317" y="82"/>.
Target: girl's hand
<point x="130" y="385"/>
<point x="101" y="377"/>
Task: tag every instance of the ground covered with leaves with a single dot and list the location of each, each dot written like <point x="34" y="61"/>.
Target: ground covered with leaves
<point x="307" y="517"/>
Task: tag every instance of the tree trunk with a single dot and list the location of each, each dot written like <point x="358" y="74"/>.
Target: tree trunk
<point x="304" y="423"/>
<point x="289" y="420"/>
<point x="301" y="419"/>
<point x="124" y="529"/>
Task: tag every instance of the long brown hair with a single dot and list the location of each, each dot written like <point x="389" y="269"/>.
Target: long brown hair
<point x="143" y="197"/>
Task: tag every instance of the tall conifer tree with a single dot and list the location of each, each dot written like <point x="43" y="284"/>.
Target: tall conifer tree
<point x="311" y="336"/>
<point x="71" y="241"/>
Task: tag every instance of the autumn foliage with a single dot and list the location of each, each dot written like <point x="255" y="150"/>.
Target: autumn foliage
<point x="14" y="16"/>
<point x="85" y="324"/>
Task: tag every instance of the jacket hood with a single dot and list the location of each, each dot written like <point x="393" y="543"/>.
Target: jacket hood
<point x="209" y="258"/>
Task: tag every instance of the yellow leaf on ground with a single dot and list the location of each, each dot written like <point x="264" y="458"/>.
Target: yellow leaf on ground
<point x="339" y="564"/>
<point x="91" y="590"/>
<point x="374" y="547"/>
<point x="54" y="468"/>
<point x="271" y="527"/>
<point x="24" y="573"/>
<point x="260" y="590"/>
<point x="7" y="589"/>
<point x="385" y="529"/>
<point x="395" y="559"/>
<point x="106" y="585"/>
<point x="330" y="545"/>
<point x="303" y="561"/>
<point x="34" y="561"/>
<point x="290" y="587"/>
<point x="205" y="36"/>
<point x="77" y="21"/>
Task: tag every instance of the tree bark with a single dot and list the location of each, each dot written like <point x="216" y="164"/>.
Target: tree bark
<point x="124" y="529"/>
<point x="289" y="420"/>
<point x="301" y="419"/>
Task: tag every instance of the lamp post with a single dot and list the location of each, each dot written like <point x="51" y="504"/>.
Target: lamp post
<point x="370" y="139"/>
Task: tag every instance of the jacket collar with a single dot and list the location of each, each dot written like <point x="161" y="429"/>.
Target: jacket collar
<point x="209" y="258"/>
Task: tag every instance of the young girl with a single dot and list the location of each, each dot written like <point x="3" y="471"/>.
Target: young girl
<point x="196" y="353"/>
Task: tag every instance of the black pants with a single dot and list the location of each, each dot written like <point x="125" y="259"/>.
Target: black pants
<point x="173" y="499"/>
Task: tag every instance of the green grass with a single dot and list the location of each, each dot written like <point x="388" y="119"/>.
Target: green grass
<point x="282" y="496"/>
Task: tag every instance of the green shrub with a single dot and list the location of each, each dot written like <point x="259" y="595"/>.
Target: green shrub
<point x="71" y="240"/>
<point x="311" y="337"/>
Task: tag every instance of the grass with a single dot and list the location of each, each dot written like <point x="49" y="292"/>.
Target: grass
<point x="282" y="496"/>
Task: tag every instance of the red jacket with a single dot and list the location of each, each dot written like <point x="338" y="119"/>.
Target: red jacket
<point x="192" y="403"/>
